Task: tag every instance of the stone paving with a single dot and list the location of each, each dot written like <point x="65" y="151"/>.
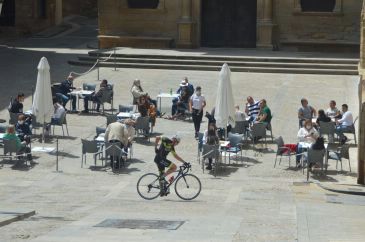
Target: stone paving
<point x="247" y="201"/>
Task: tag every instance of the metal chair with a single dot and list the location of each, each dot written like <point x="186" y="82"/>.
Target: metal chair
<point x="110" y="118"/>
<point x="269" y="128"/>
<point x="142" y="126"/>
<point x="327" y="128"/>
<point x="282" y="150"/>
<point x="258" y="131"/>
<point x="235" y="142"/>
<point x="313" y="157"/>
<point x="114" y="150"/>
<point x="10" y="147"/>
<point x="61" y="121"/>
<point x="340" y="153"/>
<point x="89" y="146"/>
<point x="106" y="97"/>
<point x="211" y="152"/>
<point x="125" y="108"/>
<point x="35" y="124"/>
<point x="352" y="130"/>
<point x="241" y="127"/>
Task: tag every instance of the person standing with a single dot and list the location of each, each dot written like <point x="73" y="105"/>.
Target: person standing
<point x="196" y="105"/>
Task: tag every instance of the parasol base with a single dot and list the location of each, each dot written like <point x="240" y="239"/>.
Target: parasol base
<point x="43" y="149"/>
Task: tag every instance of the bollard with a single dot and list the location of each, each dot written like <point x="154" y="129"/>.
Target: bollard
<point x="57" y="155"/>
<point x="115" y="60"/>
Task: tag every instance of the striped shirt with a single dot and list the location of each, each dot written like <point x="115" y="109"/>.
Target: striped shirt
<point x="253" y="109"/>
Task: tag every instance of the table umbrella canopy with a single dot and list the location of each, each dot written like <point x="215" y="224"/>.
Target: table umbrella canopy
<point x="42" y="107"/>
<point x="224" y="105"/>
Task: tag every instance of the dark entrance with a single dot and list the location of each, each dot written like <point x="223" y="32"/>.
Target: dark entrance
<point x="7" y="14"/>
<point x="228" y="23"/>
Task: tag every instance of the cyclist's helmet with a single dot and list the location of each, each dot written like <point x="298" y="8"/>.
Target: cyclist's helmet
<point x="177" y="138"/>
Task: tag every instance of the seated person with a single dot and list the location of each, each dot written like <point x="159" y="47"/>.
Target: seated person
<point x="137" y="91"/>
<point x="252" y="108"/>
<point x="211" y="138"/>
<point x="265" y="113"/>
<point x="240" y="116"/>
<point x="147" y="109"/>
<point x="305" y="112"/>
<point x="95" y="97"/>
<point x="181" y="105"/>
<point x="345" y="124"/>
<point x="332" y="111"/>
<point x="186" y="89"/>
<point x="64" y="89"/>
<point x="59" y="110"/>
<point x="120" y="132"/>
<point x="22" y="129"/>
<point x="307" y="134"/>
<point x="322" y="117"/>
<point x="21" y="146"/>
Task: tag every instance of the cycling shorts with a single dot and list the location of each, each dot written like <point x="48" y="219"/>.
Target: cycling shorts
<point x="162" y="163"/>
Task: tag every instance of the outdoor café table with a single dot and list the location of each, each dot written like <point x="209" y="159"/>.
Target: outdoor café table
<point x="124" y="115"/>
<point x="305" y="146"/>
<point x="165" y="95"/>
<point x="77" y="93"/>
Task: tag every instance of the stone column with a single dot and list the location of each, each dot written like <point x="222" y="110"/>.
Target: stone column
<point x="264" y="24"/>
<point x="185" y="25"/>
<point x="361" y="131"/>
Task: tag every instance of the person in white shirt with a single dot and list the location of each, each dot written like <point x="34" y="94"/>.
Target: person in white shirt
<point x="307" y="134"/>
<point x="332" y="111"/>
<point x="240" y="116"/>
<point x="345" y="124"/>
<point x="196" y="105"/>
<point x="122" y="133"/>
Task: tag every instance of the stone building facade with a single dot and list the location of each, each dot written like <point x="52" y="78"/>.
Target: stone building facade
<point x="22" y="17"/>
<point x="299" y="24"/>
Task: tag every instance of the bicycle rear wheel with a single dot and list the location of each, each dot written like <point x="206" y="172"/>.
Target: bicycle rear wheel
<point x="188" y="187"/>
<point x="148" y="186"/>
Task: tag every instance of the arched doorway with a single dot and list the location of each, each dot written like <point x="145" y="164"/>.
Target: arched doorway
<point x="228" y="23"/>
<point x="7" y="14"/>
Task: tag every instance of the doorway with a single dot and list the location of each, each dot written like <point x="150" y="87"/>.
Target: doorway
<point x="228" y="23"/>
<point x="7" y="14"/>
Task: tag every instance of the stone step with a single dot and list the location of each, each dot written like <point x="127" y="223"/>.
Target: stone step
<point x="192" y="66"/>
<point x="231" y="63"/>
<point x="220" y="58"/>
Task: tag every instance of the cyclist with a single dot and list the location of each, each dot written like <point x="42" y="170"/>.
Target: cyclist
<point x="167" y="146"/>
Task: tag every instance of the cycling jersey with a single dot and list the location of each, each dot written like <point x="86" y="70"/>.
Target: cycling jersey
<point x="165" y="148"/>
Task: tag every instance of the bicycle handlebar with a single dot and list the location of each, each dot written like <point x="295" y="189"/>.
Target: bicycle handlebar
<point x="185" y="166"/>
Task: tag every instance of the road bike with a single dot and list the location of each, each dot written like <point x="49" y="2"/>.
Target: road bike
<point x="187" y="186"/>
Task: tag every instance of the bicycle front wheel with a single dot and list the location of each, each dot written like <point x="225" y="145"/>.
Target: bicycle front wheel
<point x="188" y="187"/>
<point x="148" y="186"/>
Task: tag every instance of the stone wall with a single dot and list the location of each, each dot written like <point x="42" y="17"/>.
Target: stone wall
<point x="115" y="18"/>
<point x="88" y="8"/>
<point x="28" y="20"/>
<point x="342" y="27"/>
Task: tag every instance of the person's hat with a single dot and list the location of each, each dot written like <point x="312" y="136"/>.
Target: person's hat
<point x="183" y="83"/>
